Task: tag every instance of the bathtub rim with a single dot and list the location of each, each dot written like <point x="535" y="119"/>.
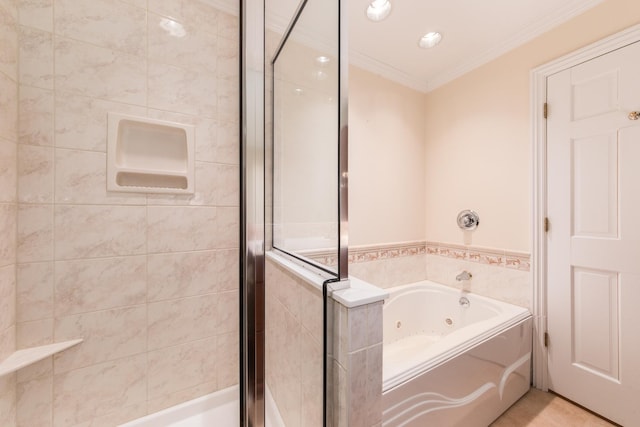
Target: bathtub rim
<point x="520" y="314"/>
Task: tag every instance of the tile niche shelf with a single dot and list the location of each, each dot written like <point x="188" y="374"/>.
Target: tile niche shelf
<point x="149" y="156"/>
<point x="28" y="356"/>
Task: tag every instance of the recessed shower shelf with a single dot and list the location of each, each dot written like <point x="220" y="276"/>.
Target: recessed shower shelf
<point x="149" y="156"/>
<point x="28" y="356"/>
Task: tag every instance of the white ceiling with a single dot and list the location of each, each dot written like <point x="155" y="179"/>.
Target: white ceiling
<point x="474" y="33"/>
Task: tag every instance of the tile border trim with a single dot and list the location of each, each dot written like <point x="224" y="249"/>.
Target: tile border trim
<point x="490" y="256"/>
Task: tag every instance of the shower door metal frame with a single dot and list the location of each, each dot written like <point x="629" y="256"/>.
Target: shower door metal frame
<point x="252" y="229"/>
<point x="343" y="140"/>
<point x="252" y="210"/>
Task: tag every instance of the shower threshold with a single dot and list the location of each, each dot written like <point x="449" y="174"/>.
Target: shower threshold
<point x="220" y="409"/>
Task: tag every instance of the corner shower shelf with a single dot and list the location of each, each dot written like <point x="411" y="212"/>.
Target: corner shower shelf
<point x="29" y="356"/>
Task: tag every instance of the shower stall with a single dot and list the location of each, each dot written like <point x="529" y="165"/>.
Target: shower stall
<point x="300" y="143"/>
<point x="148" y="279"/>
<point x="178" y="291"/>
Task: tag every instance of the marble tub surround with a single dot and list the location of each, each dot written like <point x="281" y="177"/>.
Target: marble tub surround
<point x="150" y="282"/>
<point x="494" y="257"/>
<point x="294" y="349"/>
<point x="357" y="370"/>
<point x="383" y="265"/>
<point x="357" y="354"/>
<point x="8" y="201"/>
<point x="497" y="273"/>
<point x="294" y="370"/>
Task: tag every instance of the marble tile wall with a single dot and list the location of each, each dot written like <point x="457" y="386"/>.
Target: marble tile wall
<point x="294" y="354"/>
<point x="357" y="367"/>
<point x="499" y="274"/>
<point x="8" y="200"/>
<point x="149" y="281"/>
<point x="294" y="349"/>
<point x="495" y="281"/>
<point x="383" y="265"/>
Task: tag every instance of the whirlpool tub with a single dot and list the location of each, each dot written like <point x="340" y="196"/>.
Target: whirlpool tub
<point x="452" y="358"/>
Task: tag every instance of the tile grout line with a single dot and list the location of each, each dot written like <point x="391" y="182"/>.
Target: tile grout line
<point x="53" y="226"/>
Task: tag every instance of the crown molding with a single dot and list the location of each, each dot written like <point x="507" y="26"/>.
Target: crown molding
<point x="527" y="34"/>
<point x="387" y="71"/>
<point x="278" y="23"/>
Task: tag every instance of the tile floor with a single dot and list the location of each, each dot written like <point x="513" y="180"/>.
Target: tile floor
<point x="540" y="409"/>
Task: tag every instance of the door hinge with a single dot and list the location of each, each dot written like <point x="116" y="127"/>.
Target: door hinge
<point x="546" y="339"/>
<point x="546" y="225"/>
<point x="545" y="110"/>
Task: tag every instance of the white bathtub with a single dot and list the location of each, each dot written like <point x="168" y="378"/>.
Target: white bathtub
<point x="449" y="364"/>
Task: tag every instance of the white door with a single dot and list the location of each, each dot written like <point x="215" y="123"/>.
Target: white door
<point x="593" y="261"/>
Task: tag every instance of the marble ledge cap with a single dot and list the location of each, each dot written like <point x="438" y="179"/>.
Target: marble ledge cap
<point x="359" y="293"/>
<point x="354" y="293"/>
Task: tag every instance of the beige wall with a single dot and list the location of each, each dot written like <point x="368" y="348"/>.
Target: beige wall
<point x="150" y="282"/>
<point x="8" y="172"/>
<point x="386" y="161"/>
<point x="478" y="148"/>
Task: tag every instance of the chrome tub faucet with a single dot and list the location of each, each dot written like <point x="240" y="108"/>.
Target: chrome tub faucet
<point x="465" y="275"/>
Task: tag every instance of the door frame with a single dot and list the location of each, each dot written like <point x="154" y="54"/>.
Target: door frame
<point x="538" y="97"/>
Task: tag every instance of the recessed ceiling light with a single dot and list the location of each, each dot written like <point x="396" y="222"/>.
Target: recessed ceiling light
<point x="378" y="10"/>
<point x="430" y="40"/>
<point x="323" y="60"/>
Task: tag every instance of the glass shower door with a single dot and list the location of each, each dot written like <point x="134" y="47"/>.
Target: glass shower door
<point x="306" y="96"/>
<point x="303" y="206"/>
